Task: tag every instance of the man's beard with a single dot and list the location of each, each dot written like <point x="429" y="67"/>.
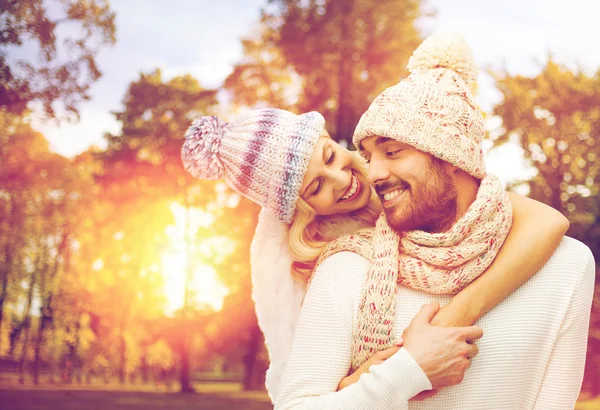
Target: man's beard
<point x="430" y="205"/>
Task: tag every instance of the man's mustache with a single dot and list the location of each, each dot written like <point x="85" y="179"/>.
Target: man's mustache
<point x="382" y="187"/>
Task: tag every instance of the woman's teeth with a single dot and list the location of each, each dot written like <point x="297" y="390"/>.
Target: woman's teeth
<point x="352" y="190"/>
<point x="391" y="195"/>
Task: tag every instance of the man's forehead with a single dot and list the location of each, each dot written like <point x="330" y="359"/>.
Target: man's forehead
<point x="377" y="140"/>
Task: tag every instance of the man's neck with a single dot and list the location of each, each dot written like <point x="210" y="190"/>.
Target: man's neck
<point x="467" y="187"/>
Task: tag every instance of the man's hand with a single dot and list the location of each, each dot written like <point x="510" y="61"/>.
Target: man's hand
<point x="444" y="354"/>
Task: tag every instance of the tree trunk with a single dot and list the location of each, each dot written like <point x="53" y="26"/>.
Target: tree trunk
<point x="186" y="386"/>
<point x="123" y="359"/>
<point x="23" y="362"/>
<point x="252" y="381"/>
<point x="47" y="286"/>
<point x="144" y="365"/>
<point x="26" y="326"/>
<point x="45" y="323"/>
<point x="73" y="352"/>
<point x="3" y="292"/>
<point x="5" y="273"/>
<point x="7" y="265"/>
<point x="344" y="127"/>
<point x="72" y="361"/>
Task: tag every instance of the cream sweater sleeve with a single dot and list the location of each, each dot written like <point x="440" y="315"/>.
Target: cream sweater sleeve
<point x="321" y="351"/>
<point x="562" y="381"/>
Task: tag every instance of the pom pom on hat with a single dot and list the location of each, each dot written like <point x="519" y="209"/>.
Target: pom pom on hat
<point x="263" y="154"/>
<point x="200" y="152"/>
<point x="445" y="49"/>
<point x="433" y="108"/>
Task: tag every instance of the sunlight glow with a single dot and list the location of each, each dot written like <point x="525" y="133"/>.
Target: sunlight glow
<point x="206" y="290"/>
<point x="98" y="264"/>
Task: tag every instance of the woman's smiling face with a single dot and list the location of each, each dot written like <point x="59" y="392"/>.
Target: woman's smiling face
<point x="333" y="184"/>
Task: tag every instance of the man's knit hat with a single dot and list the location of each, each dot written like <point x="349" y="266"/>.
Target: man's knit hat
<point x="433" y="109"/>
<point x="262" y="155"/>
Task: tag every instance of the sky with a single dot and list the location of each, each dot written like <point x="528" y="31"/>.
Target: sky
<point x="202" y="37"/>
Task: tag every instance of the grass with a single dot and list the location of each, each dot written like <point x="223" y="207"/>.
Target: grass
<point x="209" y="396"/>
<point x="96" y="398"/>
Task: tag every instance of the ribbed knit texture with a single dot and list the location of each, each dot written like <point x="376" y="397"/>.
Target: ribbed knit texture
<point x="433" y="109"/>
<point x="531" y="356"/>
<point x="439" y="263"/>
<point x="263" y="154"/>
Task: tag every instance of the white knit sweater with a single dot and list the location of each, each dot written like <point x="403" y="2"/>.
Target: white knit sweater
<point x="531" y="356"/>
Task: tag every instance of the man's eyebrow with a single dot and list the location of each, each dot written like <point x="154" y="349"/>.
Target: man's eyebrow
<point x="313" y="181"/>
<point x="381" y="140"/>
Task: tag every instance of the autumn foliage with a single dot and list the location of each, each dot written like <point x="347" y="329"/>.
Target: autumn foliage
<point x="116" y="264"/>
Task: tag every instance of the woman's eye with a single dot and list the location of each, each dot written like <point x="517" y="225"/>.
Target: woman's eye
<point x="318" y="189"/>
<point x="392" y="153"/>
<point x="331" y="158"/>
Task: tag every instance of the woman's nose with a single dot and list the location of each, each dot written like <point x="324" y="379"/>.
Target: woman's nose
<point x="341" y="177"/>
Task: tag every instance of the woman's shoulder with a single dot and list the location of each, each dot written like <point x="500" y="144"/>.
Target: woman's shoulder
<point x="341" y="277"/>
<point x="358" y="243"/>
<point x="345" y="269"/>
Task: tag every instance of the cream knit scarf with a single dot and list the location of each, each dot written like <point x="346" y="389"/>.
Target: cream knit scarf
<point x="438" y="263"/>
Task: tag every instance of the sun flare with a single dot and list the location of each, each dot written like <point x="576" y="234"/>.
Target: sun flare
<point x="206" y="290"/>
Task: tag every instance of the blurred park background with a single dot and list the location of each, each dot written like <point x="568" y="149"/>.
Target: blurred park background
<point x="120" y="273"/>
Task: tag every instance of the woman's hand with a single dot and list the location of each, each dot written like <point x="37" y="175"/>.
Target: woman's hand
<point x="454" y="314"/>
<point x="377" y="358"/>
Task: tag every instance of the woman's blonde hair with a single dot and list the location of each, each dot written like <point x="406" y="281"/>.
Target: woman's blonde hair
<point x="309" y="234"/>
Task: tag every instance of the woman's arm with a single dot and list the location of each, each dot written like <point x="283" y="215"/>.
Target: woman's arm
<point x="321" y="352"/>
<point x="277" y="296"/>
<point x="536" y="232"/>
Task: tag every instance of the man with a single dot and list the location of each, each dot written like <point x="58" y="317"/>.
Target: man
<point x="423" y="138"/>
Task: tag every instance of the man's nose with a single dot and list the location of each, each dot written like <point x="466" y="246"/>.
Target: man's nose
<point x="377" y="171"/>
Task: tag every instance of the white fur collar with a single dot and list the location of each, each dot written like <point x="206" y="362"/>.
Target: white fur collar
<point x="277" y="296"/>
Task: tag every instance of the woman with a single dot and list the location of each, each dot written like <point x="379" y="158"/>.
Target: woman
<point x="313" y="191"/>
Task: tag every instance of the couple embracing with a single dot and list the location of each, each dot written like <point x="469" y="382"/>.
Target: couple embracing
<point x="377" y="273"/>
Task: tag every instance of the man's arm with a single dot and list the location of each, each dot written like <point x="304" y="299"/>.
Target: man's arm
<point x="562" y="382"/>
<point x="321" y="352"/>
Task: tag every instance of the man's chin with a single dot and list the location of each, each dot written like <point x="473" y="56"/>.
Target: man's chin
<point x="400" y="224"/>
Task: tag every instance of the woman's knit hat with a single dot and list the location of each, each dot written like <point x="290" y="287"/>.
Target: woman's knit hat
<point x="262" y="155"/>
<point x="433" y="109"/>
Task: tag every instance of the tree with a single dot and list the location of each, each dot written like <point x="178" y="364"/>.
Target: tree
<point x="42" y="195"/>
<point x="237" y="322"/>
<point x="263" y="77"/>
<point x="343" y="52"/>
<point x="13" y="155"/>
<point x="146" y="156"/>
<point x="67" y="52"/>
<point x="555" y="118"/>
<point x="22" y="152"/>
